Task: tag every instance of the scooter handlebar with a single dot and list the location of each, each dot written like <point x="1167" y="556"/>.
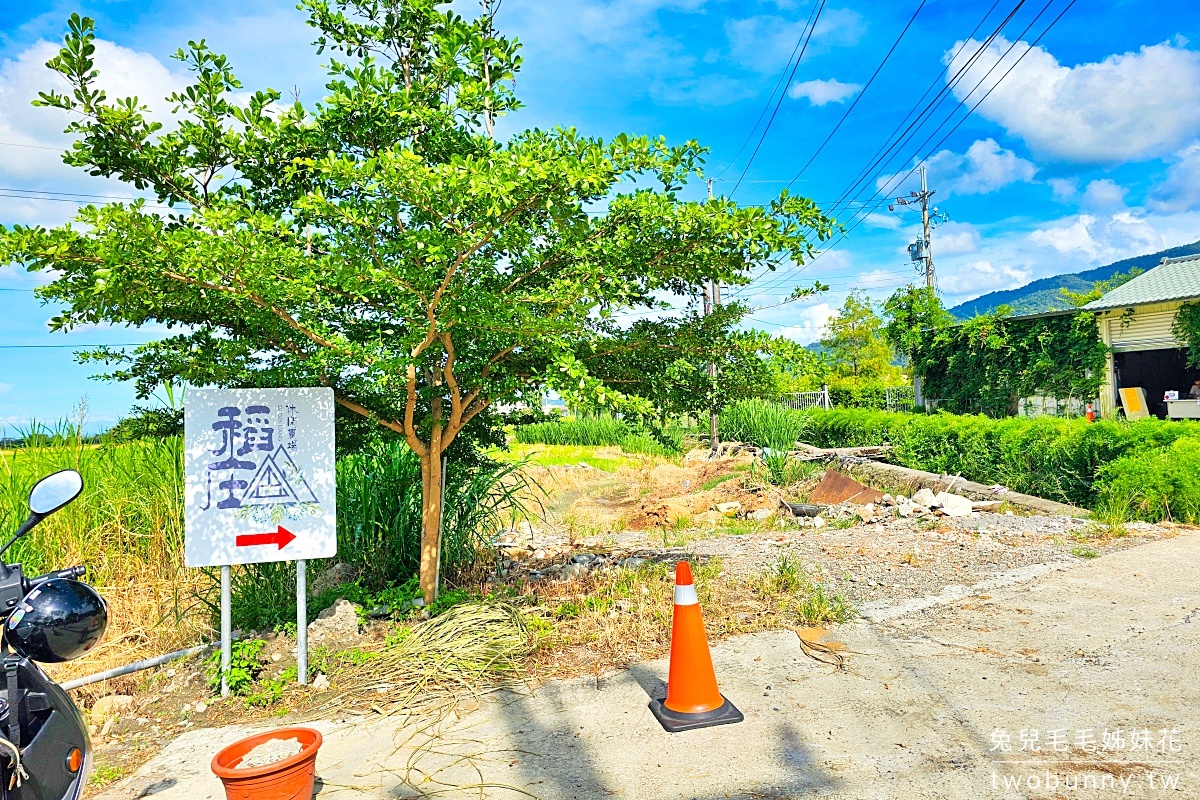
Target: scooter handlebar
<point x="69" y="574"/>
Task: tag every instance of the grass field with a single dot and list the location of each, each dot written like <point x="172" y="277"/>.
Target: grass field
<point x="608" y="459"/>
<point x="126" y="528"/>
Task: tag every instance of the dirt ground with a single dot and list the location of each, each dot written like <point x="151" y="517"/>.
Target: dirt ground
<point x="598" y="522"/>
<point x="665" y="512"/>
<point x="1076" y="682"/>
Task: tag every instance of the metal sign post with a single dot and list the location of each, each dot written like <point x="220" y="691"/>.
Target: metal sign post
<point x="301" y="622"/>
<point x="260" y="485"/>
<point x="226" y="628"/>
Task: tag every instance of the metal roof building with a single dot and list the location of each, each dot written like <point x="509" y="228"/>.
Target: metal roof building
<point x="1137" y="321"/>
<point x="1173" y="279"/>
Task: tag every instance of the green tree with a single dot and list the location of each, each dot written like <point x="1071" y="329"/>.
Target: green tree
<point x="1100" y="288"/>
<point x="666" y="360"/>
<point x="854" y="340"/>
<point x="148" y="423"/>
<point x="794" y="367"/>
<point x="384" y="242"/>
<point x="911" y="313"/>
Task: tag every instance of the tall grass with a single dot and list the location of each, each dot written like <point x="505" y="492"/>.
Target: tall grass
<point x="762" y="423"/>
<point x="603" y="431"/>
<point x="126" y="528"/>
<point x="128" y="522"/>
<point x="770" y="426"/>
<point x="379" y="510"/>
<point x="379" y="527"/>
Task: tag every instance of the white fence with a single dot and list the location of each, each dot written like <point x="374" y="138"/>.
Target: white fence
<point x="1041" y="406"/>
<point x="799" y="400"/>
<point x="900" y="398"/>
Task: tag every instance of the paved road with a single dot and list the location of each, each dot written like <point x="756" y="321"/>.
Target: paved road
<point x="939" y="704"/>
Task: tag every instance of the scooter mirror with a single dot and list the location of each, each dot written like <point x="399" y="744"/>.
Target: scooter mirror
<point x="54" y="491"/>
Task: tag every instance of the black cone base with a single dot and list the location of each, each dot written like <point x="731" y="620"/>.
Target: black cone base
<point x="674" y="721"/>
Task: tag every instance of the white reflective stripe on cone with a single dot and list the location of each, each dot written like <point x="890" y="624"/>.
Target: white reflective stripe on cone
<point x="686" y="595"/>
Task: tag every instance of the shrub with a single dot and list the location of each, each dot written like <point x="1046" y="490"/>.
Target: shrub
<point x="148" y="423"/>
<point x="1154" y="485"/>
<point x="379" y="526"/>
<point x="604" y="431"/>
<point x="763" y="424"/>
<point x="1060" y="459"/>
<point x="770" y="426"/>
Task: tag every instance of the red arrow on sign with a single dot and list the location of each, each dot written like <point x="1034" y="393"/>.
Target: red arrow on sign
<point x="282" y="537"/>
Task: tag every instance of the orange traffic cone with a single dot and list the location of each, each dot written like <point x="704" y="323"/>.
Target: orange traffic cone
<point x="693" y="699"/>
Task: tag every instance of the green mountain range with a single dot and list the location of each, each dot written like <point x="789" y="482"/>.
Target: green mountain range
<point x="1044" y="295"/>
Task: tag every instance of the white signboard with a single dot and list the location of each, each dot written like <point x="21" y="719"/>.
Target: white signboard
<point x="260" y="479"/>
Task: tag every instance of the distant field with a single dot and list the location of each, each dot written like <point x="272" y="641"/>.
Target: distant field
<point x="608" y="459"/>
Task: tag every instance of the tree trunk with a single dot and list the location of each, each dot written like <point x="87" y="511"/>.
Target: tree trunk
<point x="431" y="517"/>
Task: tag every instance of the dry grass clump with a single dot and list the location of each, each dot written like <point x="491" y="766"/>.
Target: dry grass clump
<point x="607" y="620"/>
<point x="469" y="648"/>
<point x="146" y="617"/>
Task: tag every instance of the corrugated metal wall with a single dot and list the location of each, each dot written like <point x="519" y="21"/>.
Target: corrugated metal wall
<point x="1143" y="331"/>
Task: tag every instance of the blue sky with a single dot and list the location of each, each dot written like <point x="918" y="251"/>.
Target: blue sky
<point x="1088" y="151"/>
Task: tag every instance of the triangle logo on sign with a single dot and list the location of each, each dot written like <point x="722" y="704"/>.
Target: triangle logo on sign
<point x="278" y="480"/>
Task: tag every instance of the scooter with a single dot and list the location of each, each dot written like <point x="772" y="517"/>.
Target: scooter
<point x="45" y="752"/>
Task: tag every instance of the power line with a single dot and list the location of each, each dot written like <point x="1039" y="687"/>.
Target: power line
<point x="893" y="141"/>
<point x="895" y="180"/>
<point x="862" y="181"/>
<point x="859" y="96"/>
<point x="862" y="217"/>
<point x="815" y="18"/>
<point x="970" y="111"/>
<point x="69" y="194"/>
<point x="32" y="146"/>
<point x="770" y="97"/>
<point x="845" y="198"/>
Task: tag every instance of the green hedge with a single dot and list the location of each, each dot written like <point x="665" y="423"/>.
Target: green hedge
<point x="1068" y="460"/>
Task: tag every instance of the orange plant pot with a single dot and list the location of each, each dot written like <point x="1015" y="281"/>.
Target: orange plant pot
<point x="291" y="778"/>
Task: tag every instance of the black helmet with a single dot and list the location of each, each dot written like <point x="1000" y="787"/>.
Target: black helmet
<point x="57" y="621"/>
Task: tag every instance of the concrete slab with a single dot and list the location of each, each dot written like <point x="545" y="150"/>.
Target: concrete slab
<point x="1102" y="646"/>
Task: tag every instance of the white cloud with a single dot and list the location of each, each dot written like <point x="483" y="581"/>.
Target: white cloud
<point x="1128" y="107"/>
<point x="123" y="73"/>
<point x="877" y="219"/>
<point x="1101" y="239"/>
<point x="986" y="167"/>
<point x="821" y="93"/>
<point x="979" y="277"/>
<point x="762" y="43"/>
<point x="954" y="238"/>
<point x="1064" y="189"/>
<point x="1018" y="252"/>
<point x="1103" y="195"/>
<point x="37" y="163"/>
<point x="809" y="324"/>
<point x="983" y="168"/>
<point x="1180" y="189"/>
<point x="639" y="53"/>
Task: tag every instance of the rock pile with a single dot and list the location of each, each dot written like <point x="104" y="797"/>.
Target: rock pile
<point x="923" y="503"/>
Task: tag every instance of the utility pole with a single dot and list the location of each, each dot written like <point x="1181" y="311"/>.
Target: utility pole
<point x="921" y="251"/>
<point x="714" y="290"/>
<point x="925" y="230"/>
